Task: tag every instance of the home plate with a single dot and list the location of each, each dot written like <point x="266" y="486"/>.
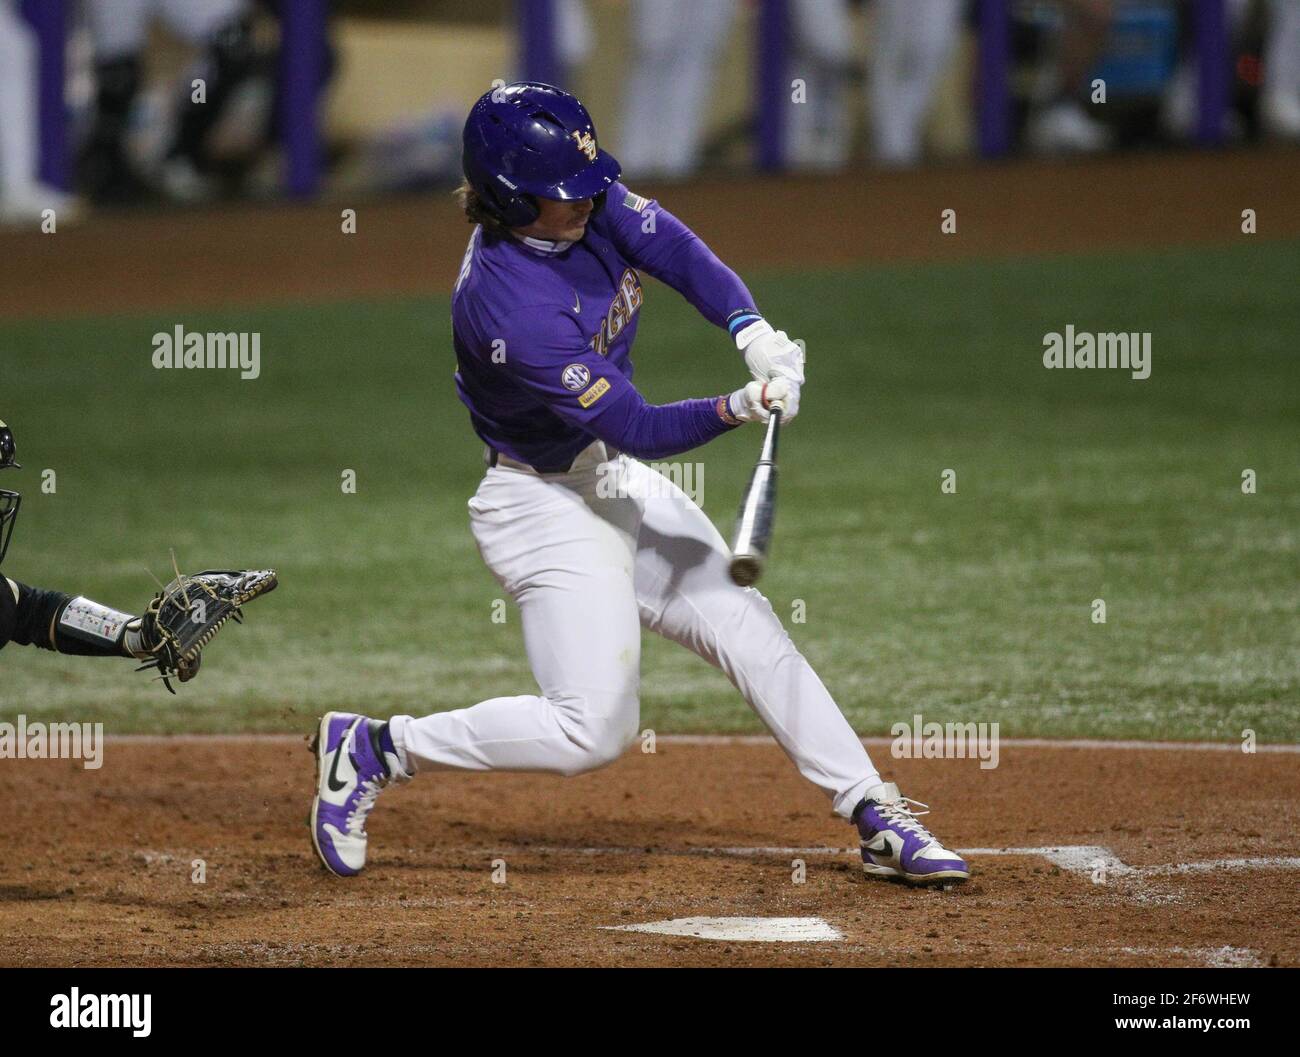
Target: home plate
<point x="744" y="930"/>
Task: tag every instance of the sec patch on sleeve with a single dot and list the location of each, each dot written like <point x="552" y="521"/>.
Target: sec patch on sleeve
<point x="575" y="377"/>
<point x="595" y="392"/>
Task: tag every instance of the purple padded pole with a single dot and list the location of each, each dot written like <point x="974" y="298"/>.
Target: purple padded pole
<point x="537" y="54"/>
<point x="1210" y="24"/>
<point x="772" y="90"/>
<point x="302" y="58"/>
<point x="49" y="20"/>
<point x="993" y="74"/>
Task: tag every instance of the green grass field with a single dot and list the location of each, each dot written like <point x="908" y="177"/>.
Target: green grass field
<point x="1072" y="486"/>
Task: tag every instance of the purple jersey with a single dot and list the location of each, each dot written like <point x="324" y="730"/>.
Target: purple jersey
<point x="544" y="331"/>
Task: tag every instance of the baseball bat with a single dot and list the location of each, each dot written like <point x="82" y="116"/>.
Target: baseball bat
<point x="757" y="510"/>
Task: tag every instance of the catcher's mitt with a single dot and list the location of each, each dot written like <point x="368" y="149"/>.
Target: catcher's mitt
<point x="186" y="615"/>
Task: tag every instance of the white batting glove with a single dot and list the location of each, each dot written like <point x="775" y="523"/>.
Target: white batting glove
<point x="754" y="402"/>
<point x="770" y="353"/>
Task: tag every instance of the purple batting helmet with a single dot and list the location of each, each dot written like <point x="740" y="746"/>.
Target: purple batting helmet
<point x="527" y="141"/>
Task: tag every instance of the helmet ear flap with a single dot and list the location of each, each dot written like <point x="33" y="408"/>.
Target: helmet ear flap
<point x="523" y="211"/>
<point x="516" y="211"/>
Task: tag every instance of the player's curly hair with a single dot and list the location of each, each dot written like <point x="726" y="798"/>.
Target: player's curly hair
<point x="476" y="213"/>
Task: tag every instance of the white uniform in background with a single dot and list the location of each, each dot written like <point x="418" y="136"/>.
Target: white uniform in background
<point x="574" y="37"/>
<point x="1280" y="99"/>
<point x="17" y="101"/>
<point x="675" y="46"/>
<point x="913" y="42"/>
<point x="817" y="132"/>
<point x="121" y="27"/>
<point x="1279" y="95"/>
<point x="23" y="197"/>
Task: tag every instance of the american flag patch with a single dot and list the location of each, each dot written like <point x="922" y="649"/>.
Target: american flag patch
<point x="635" y="202"/>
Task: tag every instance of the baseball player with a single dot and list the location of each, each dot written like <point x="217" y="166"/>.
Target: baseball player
<point x="590" y="543"/>
<point x="120" y="29"/>
<point x="169" y="636"/>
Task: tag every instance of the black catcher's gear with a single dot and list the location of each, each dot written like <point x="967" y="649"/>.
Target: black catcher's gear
<point x="170" y="636"/>
<point x="9" y="501"/>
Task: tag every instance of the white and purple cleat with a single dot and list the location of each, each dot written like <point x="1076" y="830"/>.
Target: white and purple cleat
<point x="895" y="844"/>
<point x="352" y="766"/>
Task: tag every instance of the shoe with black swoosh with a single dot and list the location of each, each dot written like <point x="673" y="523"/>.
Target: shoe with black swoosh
<point x="895" y="844"/>
<point x="351" y="770"/>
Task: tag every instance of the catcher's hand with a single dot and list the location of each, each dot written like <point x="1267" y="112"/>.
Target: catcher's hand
<point x="186" y="615"/>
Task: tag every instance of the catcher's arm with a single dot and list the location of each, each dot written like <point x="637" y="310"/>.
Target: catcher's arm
<point x="185" y="616"/>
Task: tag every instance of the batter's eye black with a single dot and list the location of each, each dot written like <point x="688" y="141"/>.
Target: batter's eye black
<point x="9" y="503"/>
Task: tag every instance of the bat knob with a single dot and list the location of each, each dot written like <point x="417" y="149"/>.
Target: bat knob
<point x="745" y="569"/>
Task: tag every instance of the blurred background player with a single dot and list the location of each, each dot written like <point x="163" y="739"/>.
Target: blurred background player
<point x="684" y="73"/>
<point x="222" y="30"/>
<point x="675" y="49"/>
<point x="914" y="41"/>
<point x="23" y="197"/>
<point x="1061" y="122"/>
<point x="674" y="45"/>
<point x="574" y="36"/>
<point x="1273" y="25"/>
<point x="1280" y="100"/>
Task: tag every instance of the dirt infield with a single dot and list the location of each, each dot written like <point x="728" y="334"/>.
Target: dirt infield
<point x="1197" y="849"/>
<point x="248" y="255"/>
<point x="1201" y="853"/>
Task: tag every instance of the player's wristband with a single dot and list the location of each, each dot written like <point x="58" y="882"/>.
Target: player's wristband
<point x="745" y="325"/>
<point x="724" y="411"/>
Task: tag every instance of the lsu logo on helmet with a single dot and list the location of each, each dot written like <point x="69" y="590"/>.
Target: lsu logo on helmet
<point x="586" y="143"/>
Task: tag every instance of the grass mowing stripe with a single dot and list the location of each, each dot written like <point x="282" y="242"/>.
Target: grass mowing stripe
<point x="1071" y="486"/>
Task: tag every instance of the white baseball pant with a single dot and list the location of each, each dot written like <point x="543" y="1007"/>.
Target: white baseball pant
<point x="591" y="556"/>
